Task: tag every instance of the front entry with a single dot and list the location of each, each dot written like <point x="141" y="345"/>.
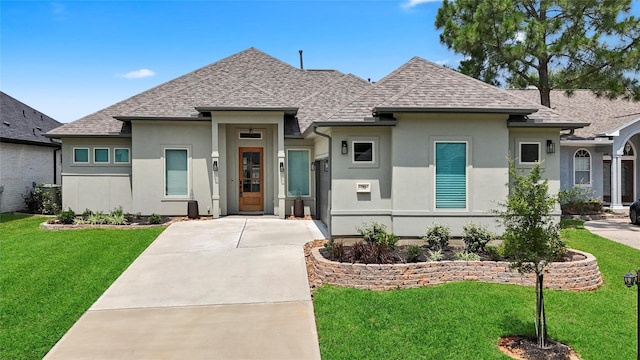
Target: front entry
<point x="251" y="187"/>
<point x="627" y="180"/>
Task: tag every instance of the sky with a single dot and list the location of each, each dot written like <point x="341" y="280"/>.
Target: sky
<point x="68" y="59"/>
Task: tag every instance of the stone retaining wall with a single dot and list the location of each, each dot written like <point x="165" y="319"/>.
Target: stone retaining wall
<point x="578" y="275"/>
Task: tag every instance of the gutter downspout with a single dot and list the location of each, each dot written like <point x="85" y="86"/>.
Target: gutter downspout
<point x="55" y="165"/>
<point x="315" y="131"/>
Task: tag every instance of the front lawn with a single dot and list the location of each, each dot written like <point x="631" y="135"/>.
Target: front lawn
<point x="465" y="320"/>
<point x="48" y="279"/>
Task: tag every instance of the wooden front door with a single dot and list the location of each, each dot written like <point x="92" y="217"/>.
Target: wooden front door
<point x="251" y="189"/>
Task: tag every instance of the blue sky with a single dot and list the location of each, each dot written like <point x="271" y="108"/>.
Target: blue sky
<point x="68" y="59"/>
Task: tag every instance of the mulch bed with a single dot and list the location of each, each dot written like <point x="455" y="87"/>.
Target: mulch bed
<point x="526" y="348"/>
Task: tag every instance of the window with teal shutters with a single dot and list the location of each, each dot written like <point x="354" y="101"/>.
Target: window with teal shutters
<point x="451" y="175"/>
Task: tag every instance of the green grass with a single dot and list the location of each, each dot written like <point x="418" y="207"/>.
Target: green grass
<point x="465" y="320"/>
<point x="48" y="279"/>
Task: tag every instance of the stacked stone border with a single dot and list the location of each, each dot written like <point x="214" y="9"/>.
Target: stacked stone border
<point x="579" y="275"/>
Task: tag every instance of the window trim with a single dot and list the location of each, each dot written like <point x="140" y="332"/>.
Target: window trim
<point x="585" y="185"/>
<point x="466" y="175"/>
<point x="308" y="172"/>
<point x="73" y="156"/>
<point x="164" y="173"/>
<point x="373" y="152"/>
<point x="252" y="131"/>
<point x="115" y="159"/>
<point x="520" y="143"/>
<point x="101" y="162"/>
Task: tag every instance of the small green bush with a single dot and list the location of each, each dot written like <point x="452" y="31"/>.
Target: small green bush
<point x="476" y="238"/>
<point x="578" y="200"/>
<point x="154" y="219"/>
<point x="117" y="212"/>
<point x="40" y="201"/>
<point x="493" y="253"/>
<point x="371" y="253"/>
<point x="414" y="252"/>
<point x="98" y="218"/>
<point x="67" y="216"/>
<point x="376" y="233"/>
<point x="435" y="255"/>
<point x="437" y="237"/>
<point x="467" y="256"/>
<point x="117" y="219"/>
<point x="87" y="214"/>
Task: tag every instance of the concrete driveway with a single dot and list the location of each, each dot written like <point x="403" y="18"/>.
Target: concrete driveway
<point x="231" y="288"/>
<point x="617" y="229"/>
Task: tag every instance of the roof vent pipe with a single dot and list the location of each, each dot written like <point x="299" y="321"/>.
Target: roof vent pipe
<point x="301" y="67"/>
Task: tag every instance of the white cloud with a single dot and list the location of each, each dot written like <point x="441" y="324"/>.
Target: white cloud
<point x="520" y="36"/>
<point x="442" y="62"/>
<point x="137" y="74"/>
<point x="413" y="3"/>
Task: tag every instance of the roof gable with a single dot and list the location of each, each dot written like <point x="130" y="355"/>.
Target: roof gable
<point x="22" y="123"/>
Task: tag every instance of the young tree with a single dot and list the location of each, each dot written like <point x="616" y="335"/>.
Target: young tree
<point x="531" y="234"/>
<point x="563" y="44"/>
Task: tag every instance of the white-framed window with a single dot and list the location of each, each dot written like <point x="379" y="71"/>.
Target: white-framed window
<point x="100" y="155"/>
<point x="298" y="172"/>
<point x="121" y="155"/>
<point x="250" y="134"/>
<point x="451" y="174"/>
<point x="529" y="152"/>
<point x="80" y="155"/>
<point x="176" y="172"/>
<point x="363" y="152"/>
<point x="582" y="167"/>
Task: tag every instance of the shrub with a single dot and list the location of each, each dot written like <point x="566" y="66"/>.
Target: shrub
<point x="376" y="233"/>
<point x="117" y="212"/>
<point x="67" y="216"/>
<point x="414" y="252"/>
<point x="494" y="253"/>
<point x="154" y="219"/>
<point x="476" y="238"/>
<point x="371" y="253"/>
<point x="578" y="200"/>
<point x="435" y="255"/>
<point x="117" y="219"/>
<point x="467" y="256"/>
<point x="87" y="214"/>
<point x="98" y="218"/>
<point x="40" y="201"/>
<point x="437" y="237"/>
<point x="335" y="251"/>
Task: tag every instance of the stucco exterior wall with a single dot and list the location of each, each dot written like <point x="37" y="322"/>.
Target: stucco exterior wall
<point x="567" y="177"/>
<point x="149" y="141"/>
<point x="97" y="187"/>
<point x="20" y="166"/>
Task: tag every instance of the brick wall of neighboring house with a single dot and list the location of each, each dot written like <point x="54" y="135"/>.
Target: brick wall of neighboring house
<point x="20" y="166"/>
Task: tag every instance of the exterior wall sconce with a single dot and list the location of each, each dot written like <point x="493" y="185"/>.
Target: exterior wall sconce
<point x="345" y="148"/>
<point x="215" y="165"/>
<point x="281" y="166"/>
<point x="313" y="166"/>
<point x="551" y="147"/>
<point x="326" y="166"/>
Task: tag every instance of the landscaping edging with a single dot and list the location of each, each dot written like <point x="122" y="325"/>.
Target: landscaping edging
<point x="580" y="275"/>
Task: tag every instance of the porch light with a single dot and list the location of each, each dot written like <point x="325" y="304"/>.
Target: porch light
<point x="215" y="165"/>
<point x="313" y="166"/>
<point x="631" y="279"/>
<point x="551" y="147"/>
<point x="345" y="148"/>
<point x="281" y="166"/>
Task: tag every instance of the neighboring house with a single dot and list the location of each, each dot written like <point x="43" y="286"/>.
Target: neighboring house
<point x="250" y="134"/>
<point x="26" y="155"/>
<point x="604" y="155"/>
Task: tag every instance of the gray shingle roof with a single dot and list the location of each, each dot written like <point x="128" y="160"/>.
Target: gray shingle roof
<point x="603" y="114"/>
<point x="24" y="124"/>
<point x="253" y="79"/>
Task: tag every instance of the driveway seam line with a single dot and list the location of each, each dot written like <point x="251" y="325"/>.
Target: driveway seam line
<point x="200" y="305"/>
<point x="241" y="233"/>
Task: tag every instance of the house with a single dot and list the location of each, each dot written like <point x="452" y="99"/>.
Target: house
<point x="27" y="157"/>
<point x="603" y="156"/>
<point x="250" y="134"/>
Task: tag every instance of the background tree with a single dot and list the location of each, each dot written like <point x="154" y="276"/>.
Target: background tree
<point x="550" y="44"/>
<point x="531" y="235"/>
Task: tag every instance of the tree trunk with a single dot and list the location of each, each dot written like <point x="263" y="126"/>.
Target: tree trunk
<point x="541" y="319"/>
<point x="543" y="83"/>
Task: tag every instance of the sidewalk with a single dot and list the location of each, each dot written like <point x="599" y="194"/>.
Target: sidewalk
<point x="617" y="229"/>
<point x="231" y="288"/>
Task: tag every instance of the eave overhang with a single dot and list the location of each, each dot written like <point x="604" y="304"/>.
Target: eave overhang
<point x="348" y="124"/>
<point x="539" y="124"/>
<point x="162" y="118"/>
<point x="449" y="110"/>
<point x="60" y="136"/>
<point x="286" y="110"/>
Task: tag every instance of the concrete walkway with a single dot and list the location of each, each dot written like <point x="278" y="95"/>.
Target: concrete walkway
<point x="616" y="229"/>
<point x="231" y="288"/>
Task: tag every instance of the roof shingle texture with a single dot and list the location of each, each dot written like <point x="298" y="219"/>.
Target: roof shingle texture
<point x="584" y="106"/>
<point x="22" y="123"/>
<point x="253" y="79"/>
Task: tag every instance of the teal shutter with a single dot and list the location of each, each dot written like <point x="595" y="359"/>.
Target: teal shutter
<point x="176" y="176"/>
<point x="298" y="173"/>
<point x="451" y="175"/>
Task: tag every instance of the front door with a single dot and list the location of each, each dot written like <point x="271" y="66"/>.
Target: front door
<point x="627" y="181"/>
<point x="251" y="187"/>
